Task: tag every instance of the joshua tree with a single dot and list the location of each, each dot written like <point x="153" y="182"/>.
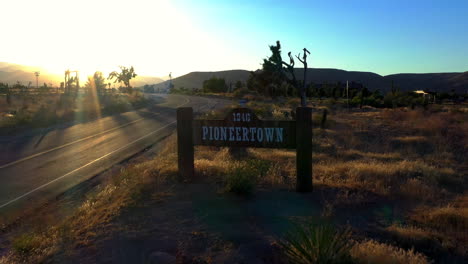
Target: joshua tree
<point x="304" y="82"/>
<point x="96" y="82"/>
<point x="124" y="76"/>
<point x="275" y="64"/>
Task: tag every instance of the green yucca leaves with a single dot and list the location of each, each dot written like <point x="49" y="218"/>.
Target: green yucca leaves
<point x="316" y="243"/>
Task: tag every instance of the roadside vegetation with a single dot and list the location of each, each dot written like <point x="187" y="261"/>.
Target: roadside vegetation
<point x="40" y="111"/>
<point x="24" y="108"/>
<point x="389" y="187"/>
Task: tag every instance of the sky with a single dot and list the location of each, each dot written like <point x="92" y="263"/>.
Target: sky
<point x="181" y="36"/>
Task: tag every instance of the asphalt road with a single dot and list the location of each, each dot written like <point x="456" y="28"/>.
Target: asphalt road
<point x="39" y="165"/>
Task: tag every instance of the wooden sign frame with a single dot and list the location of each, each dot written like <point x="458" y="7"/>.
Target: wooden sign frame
<point x="242" y="128"/>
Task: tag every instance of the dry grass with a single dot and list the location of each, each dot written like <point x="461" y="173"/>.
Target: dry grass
<point x="354" y="154"/>
<point x="93" y="218"/>
<point x="448" y="218"/>
<point x="447" y="131"/>
<point x="384" y="178"/>
<point x="411" y="232"/>
<point x="374" y="252"/>
<point x="408" y="157"/>
<point x="448" y="223"/>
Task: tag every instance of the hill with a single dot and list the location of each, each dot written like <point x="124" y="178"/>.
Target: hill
<point x="142" y="80"/>
<point x="441" y="82"/>
<point x="438" y="82"/>
<point x="12" y="73"/>
<point x="195" y="79"/>
<point x="317" y="75"/>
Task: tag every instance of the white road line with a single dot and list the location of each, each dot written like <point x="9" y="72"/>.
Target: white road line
<point x="76" y="141"/>
<point x="89" y="163"/>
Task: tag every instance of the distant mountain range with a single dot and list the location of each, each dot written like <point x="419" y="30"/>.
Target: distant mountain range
<point x="195" y="79"/>
<point x="12" y="73"/>
<point x="440" y="82"/>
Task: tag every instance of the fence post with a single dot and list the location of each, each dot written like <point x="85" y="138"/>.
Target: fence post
<point x="304" y="149"/>
<point x="185" y="142"/>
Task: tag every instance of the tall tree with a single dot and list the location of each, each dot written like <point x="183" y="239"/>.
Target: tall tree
<point x="281" y="70"/>
<point x="214" y="85"/>
<point x="125" y="75"/>
<point x="96" y="83"/>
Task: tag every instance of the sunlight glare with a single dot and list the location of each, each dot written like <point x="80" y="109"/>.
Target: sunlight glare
<point x="153" y="36"/>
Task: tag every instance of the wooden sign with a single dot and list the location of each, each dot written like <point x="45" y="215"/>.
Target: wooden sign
<point x="242" y="128"/>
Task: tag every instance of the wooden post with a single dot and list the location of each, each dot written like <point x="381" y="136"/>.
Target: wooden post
<point x="304" y="149"/>
<point x="324" y="119"/>
<point x="185" y="142"/>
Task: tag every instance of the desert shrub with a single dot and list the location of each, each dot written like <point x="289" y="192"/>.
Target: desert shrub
<point x="139" y="102"/>
<point x="263" y="111"/>
<point x="214" y="114"/>
<point x="381" y="177"/>
<point x="410" y="236"/>
<point x="214" y="85"/>
<point x="21" y="117"/>
<point x="372" y="101"/>
<point x="44" y="117"/>
<point x="374" y="252"/>
<point x="210" y="168"/>
<point x="446" y="218"/>
<point x="317" y="119"/>
<point x="277" y="114"/>
<point x="293" y="102"/>
<point x="258" y="166"/>
<point x="65" y="101"/>
<point x="26" y="243"/>
<point x="419" y="144"/>
<point x="239" y="93"/>
<point x="316" y="243"/>
<point x="417" y="190"/>
<point x="330" y="102"/>
<point x="242" y="176"/>
<point x="355" y="101"/>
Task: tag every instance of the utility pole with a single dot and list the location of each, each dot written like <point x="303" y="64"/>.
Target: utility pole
<point x="37" y="79"/>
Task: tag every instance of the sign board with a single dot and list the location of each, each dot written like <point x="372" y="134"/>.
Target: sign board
<point x="242" y="128"/>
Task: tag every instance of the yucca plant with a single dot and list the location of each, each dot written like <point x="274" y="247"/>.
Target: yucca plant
<point x="316" y="243"/>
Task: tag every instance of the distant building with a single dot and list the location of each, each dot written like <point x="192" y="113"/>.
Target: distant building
<point x="421" y="92"/>
<point x="425" y="95"/>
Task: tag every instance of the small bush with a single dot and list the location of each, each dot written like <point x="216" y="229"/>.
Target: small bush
<point x="26" y="243"/>
<point x="241" y="178"/>
<point x="311" y="243"/>
<point x="374" y="252"/>
<point x="446" y="218"/>
<point x="239" y="93"/>
<point x="329" y="102"/>
<point x="293" y="102"/>
<point x="259" y="167"/>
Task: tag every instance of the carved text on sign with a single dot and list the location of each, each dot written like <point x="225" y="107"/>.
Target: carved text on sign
<point x="242" y="128"/>
<point x="247" y="134"/>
